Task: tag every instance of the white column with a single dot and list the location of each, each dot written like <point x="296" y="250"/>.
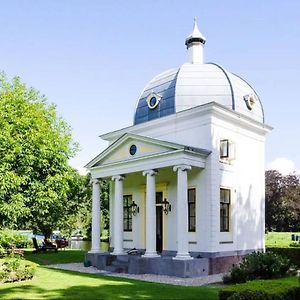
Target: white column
<point x="118" y="216"/>
<point x="150" y="214"/>
<point x="96" y="212"/>
<point x="182" y="212"/>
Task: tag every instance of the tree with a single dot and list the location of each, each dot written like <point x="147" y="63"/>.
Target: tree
<point x="80" y="198"/>
<point x="282" y="202"/>
<point x="35" y="145"/>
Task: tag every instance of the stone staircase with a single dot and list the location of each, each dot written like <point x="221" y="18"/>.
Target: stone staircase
<point x="119" y="265"/>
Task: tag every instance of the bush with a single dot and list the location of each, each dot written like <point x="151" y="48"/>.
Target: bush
<point x="275" y="289"/>
<point x="258" y="265"/>
<point x="293" y="254"/>
<point x="288" y="294"/>
<point x="13" y="268"/>
<point x="294" y="244"/>
<point x="249" y="295"/>
<point x="8" y="239"/>
<point x="237" y="275"/>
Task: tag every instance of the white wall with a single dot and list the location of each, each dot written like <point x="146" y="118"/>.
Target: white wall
<point x="244" y="176"/>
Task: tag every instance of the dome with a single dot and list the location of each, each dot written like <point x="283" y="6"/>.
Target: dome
<point x="196" y="83"/>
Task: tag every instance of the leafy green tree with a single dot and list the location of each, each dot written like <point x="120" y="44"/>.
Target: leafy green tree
<point x="35" y="145"/>
<point x="80" y="198"/>
<point x="282" y="202"/>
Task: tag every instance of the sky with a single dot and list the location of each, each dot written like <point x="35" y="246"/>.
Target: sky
<point x="93" y="58"/>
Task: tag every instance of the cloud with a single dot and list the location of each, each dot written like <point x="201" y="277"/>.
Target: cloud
<point x="283" y="165"/>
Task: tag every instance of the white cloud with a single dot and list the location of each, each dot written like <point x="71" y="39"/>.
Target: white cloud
<point x="283" y="165"/>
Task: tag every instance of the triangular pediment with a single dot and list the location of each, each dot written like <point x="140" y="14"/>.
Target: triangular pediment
<point x="132" y="147"/>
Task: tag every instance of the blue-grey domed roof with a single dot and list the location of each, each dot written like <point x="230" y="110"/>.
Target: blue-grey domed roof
<point x="197" y="84"/>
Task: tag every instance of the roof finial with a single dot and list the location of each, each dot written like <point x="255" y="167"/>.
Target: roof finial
<point x="194" y="43"/>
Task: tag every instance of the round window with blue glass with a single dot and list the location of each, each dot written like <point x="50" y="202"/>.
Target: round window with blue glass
<point x="153" y="100"/>
<point x="132" y="149"/>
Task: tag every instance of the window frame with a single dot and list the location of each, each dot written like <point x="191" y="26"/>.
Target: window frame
<point x="127" y="218"/>
<point x="190" y="204"/>
<point x="224" y="143"/>
<point x="225" y="207"/>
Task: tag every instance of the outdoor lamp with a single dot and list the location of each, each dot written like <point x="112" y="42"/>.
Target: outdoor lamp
<point x="134" y="208"/>
<point x="166" y="206"/>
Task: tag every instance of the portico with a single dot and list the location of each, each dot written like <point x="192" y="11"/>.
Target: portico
<point x="163" y="157"/>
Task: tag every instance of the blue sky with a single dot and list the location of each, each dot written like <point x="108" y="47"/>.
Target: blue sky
<point x="93" y="58"/>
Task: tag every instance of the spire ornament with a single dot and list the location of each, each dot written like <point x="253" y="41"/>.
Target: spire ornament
<point x="195" y="43"/>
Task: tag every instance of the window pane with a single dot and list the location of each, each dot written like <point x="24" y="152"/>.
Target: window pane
<point x="127" y="214"/>
<point x="224" y="148"/>
<point x="224" y="209"/>
<point x="192" y="209"/>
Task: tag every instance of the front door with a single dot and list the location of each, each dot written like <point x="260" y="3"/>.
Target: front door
<point x="159" y="222"/>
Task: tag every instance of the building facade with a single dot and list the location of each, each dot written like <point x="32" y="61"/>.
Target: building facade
<point x="187" y="179"/>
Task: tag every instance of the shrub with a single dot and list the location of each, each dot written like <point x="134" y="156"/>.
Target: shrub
<point x="237" y="275"/>
<point x="289" y="294"/>
<point x="8" y="239"/>
<point x="13" y="268"/>
<point x="275" y="289"/>
<point x="249" y="295"/>
<point x="258" y="265"/>
<point x="295" y="244"/>
<point x="293" y="254"/>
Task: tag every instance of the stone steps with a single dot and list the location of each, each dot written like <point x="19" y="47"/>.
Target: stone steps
<point x="119" y="265"/>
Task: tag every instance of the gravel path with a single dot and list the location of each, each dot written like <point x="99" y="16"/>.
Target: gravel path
<point x="78" y="267"/>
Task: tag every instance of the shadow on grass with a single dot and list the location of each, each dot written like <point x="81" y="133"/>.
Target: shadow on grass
<point x="87" y="286"/>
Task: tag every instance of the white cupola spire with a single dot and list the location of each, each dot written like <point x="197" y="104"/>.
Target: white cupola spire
<point x="195" y="44"/>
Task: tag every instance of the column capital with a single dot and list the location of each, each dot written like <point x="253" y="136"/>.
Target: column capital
<point x="95" y="181"/>
<point x="182" y="168"/>
<point x="118" y="177"/>
<point x="150" y="172"/>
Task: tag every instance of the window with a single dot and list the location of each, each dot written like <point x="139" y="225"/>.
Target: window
<point x="192" y="209"/>
<point x="224" y="209"/>
<point x="127" y="202"/>
<point x="227" y="150"/>
<point x="224" y="148"/>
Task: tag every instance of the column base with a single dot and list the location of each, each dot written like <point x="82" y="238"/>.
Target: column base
<point x="183" y="256"/>
<point x="96" y="251"/>
<point x="118" y="252"/>
<point x="150" y="254"/>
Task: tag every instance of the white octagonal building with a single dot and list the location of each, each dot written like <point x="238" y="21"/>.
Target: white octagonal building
<point x="187" y="179"/>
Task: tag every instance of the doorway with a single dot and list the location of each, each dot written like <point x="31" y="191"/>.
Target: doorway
<point x="159" y="222"/>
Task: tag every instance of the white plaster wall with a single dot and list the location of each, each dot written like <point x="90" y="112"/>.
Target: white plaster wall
<point x="244" y="176"/>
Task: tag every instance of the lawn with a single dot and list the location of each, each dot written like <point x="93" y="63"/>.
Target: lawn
<point x="57" y="284"/>
<point x="279" y="239"/>
<point x="59" y="257"/>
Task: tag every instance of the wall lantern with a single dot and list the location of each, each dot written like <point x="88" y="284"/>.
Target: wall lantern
<point x="166" y="206"/>
<point x="134" y="208"/>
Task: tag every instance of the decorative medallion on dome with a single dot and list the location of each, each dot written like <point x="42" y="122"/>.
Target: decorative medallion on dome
<point x="153" y="100"/>
<point x="250" y="100"/>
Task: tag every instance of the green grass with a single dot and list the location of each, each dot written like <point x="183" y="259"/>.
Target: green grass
<point x="58" y="284"/>
<point x="279" y="239"/>
<point x="52" y="257"/>
<point x="272" y="286"/>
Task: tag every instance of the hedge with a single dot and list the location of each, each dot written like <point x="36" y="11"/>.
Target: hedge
<point x="273" y="289"/>
<point x="292" y="253"/>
